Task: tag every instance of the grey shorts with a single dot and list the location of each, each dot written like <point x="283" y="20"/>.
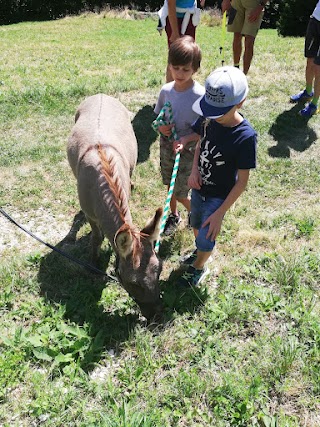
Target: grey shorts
<point x="312" y="41"/>
<point x="167" y="157"/>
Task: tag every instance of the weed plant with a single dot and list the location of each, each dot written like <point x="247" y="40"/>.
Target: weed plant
<point x="244" y="348"/>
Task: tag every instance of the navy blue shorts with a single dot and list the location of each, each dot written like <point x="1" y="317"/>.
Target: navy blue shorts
<point x="312" y="41"/>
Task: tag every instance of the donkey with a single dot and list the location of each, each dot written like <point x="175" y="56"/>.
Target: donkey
<point x="102" y="152"/>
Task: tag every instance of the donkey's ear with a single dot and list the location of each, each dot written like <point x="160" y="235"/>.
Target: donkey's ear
<point x="152" y="229"/>
<point x="123" y="242"/>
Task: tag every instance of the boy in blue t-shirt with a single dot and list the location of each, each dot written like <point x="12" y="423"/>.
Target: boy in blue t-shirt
<point x="222" y="163"/>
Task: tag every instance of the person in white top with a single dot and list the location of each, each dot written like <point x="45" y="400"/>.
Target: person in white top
<point x="311" y="93"/>
<point x="178" y="18"/>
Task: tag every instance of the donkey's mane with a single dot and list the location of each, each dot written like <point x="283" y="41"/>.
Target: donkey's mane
<point x="119" y="198"/>
<point x="108" y="170"/>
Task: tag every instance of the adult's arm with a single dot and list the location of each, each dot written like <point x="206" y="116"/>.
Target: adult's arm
<point x="255" y="14"/>
<point x="172" y="15"/>
<point x="225" y="5"/>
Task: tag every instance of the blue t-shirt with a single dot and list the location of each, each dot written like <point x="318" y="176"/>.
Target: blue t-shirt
<point x="186" y="4"/>
<point x="224" y="150"/>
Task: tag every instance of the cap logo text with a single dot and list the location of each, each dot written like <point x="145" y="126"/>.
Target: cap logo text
<point x="215" y="95"/>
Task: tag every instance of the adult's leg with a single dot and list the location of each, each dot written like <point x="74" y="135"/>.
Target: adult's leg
<point x="311" y="52"/>
<point x="307" y="93"/>
<point x="248" y="52"/>
<point x="310" y="72"/>
<point x="316" y="94"/>
<point x="237" y="48"/>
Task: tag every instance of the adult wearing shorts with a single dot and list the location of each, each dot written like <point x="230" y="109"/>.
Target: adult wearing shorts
<point x="311" y="93"/>
<point x="179" y="18"/>
<point x="244" y="21"/>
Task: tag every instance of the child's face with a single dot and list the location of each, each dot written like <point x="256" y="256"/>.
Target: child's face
<point x="181" y="74"/>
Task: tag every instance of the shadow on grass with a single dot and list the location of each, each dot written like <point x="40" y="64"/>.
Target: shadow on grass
<point x="145" y="135"/>
<point x="80" y="291"/>
<point x="176" y="299"/>
<point x="181" y="300"/>
<point x="290" y="130"/>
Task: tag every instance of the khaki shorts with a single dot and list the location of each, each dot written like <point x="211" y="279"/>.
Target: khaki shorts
<point x="240" y="14"/>
<point x="167" y="157"/>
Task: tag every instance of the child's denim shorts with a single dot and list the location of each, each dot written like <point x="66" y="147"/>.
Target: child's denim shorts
<point x="201" y="209"/>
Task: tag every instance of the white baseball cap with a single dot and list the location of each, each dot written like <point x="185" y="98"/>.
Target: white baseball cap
<point x="225" y="87"/>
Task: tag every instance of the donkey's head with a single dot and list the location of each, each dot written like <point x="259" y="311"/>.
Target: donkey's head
<point x="138" y="266"/>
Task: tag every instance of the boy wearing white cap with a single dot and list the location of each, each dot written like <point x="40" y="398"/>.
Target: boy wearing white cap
<point x="222" y="162"/>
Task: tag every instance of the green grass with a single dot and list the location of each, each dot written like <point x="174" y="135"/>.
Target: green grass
<point x="244" y="349"/>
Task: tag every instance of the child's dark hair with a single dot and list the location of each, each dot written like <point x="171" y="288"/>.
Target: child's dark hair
<point x="184" y="51"/>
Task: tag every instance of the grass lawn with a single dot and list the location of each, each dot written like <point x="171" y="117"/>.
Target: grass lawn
<point x="244" y="348"/>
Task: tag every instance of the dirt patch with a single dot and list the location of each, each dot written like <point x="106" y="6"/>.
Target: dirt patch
<point x="43" y="223"/>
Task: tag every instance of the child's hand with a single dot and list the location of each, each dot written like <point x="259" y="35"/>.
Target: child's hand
<point x="165" y="130"/>
<point x="177" y="146"/>
<point x="214" y="221"/>
<point x="195" y="180"/>
<point x="180" y="144"/>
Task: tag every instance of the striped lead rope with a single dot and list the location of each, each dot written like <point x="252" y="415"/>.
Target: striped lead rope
<point x="166" y="111"/>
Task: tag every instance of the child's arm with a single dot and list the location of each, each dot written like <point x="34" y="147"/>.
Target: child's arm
<point x="183" y="141"/>
<point x="215" y="220"/>
<point x="194" y="180"/>
<point x="166" y="130"/>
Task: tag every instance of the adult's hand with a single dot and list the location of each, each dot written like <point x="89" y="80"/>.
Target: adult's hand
<point x="225" y="5"/>
<point x="255" y="13"/>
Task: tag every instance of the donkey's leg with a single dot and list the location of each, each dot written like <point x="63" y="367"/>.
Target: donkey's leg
<point x="96" y="240"/>
<point x="78" y="221"/>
